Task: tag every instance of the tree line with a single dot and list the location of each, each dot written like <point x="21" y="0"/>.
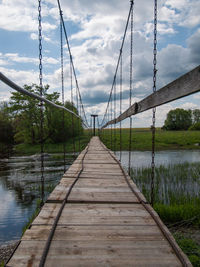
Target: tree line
<point x="181" y="119"/>
<point x="20" y="119"/>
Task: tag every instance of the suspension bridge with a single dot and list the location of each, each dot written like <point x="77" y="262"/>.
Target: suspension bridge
<point x="96" y="215"/>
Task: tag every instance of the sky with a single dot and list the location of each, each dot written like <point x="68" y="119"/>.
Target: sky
<point x="95" y="29"/>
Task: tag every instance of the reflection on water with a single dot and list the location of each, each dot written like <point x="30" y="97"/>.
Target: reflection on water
<point x="143" y="158"/>
<point x="20" y="188"/>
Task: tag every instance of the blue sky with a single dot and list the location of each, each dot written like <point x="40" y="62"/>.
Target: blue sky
<point x="95" y="29"/>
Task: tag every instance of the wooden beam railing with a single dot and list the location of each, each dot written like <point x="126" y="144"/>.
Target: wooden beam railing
<point x="185" y="85"/>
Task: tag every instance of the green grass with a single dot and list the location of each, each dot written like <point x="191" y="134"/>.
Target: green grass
<point x="142" y="139"/>
<point x="32" y="217"/>
<point x="190" y="248"/>
<point x="29" y="149"/>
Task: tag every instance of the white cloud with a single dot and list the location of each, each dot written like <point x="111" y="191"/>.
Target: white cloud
<point x="19" y="16"/>
<point x="11" y="58"/>
<point x="186" y="12"/>
<point x="189" y="105"/>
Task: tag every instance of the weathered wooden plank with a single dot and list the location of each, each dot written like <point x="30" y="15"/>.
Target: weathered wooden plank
<point x="95" y="253"/>
<point x="117" y="261"/>
<point x="109" y="167"/>
<point x="112" y="182"/>
<point x="101" y="196"/>
<point x="27" y="254"/>
<point x="97" y="161"/>
<point x="94" y="175"/>
<point x="95" y="214"/>
<point x="185" y="85"/>
<point x="100" y="232"/>
<point x="98" y="171"/>
<point x="94" y="191"/>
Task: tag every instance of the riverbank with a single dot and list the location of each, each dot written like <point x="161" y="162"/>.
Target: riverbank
<point x="6" y="251"/>
<point x="141" y="141"/>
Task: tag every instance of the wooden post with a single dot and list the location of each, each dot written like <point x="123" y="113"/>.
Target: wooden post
<point x="94" y="122"/>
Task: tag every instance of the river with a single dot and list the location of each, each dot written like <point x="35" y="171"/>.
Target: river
<point x="20" y="183"/>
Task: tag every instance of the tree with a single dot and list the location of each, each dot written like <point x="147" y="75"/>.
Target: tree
<point x="6" y="127"/>
<point x="178" y="119"/>
<point x="6" y="131"/>
<point x="26" y="113"/>
<point x="196" y="116"/>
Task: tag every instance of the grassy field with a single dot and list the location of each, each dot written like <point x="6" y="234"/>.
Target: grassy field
<point x="177" y="191"/>
<point x="141" y="139"/>
<point x="29" y="149"/>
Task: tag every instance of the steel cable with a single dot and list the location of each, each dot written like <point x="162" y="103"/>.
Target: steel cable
<point x="154" y="109"/>
<point x="130" y="90"/>
<point x="63" y="96"/>
<point x="41" y="102"/>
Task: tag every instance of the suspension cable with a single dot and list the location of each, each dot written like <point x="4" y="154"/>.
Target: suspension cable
<point x="111" y="115"/>
<point x="63" y="96"/>
<point x="116" y="70"/>
<point x="130" y="91"/>
<point x="120" y="106"/>
<point x="115" y="116"/>
<point x="99" y="133"/>
<point x="72" y="122"/>
<point x="79" y="110"/>
<point x="154" y="109"/>
<point x="41" y="102"/>
<point x="71" y="59"/>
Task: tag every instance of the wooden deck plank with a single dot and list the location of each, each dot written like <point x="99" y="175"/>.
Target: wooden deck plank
<point x="100" y="233"/>
<point x="95" y="175"/>
<point x="84" y="253"/>
<point x="95" y="214"/>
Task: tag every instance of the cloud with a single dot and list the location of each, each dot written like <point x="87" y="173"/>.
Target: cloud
<point x="189" y="105"/>
<point x="186" y="12"/>
<point x="194" y="46"/>
<point x="18" y="16"/>
<point x="11" y="58"/>
<point x="173" y="61"/>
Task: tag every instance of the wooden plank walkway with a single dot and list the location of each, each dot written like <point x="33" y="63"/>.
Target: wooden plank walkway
<point x="105" y="221"/>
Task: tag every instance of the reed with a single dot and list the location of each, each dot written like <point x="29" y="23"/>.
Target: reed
<point x="176" y="191"/>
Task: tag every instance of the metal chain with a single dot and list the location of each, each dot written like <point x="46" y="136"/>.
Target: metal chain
<point x="154" y="109"/>
<point x="111" y="116"/>
<point x="72" y="97"/>
<point x="40" y="42"/>
<point x="131" y="85"/>
<point x="41" y="103"/>
<point x="79" y="110"/>
<point x="120" y="107"/>
<point x="63" y="96"/>
<point x="82" y="111"/>
<point x="115" y="115"/>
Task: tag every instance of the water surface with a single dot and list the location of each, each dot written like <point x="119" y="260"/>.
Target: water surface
<point x="20" y="187"/>
<point x="143" y="158"/>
